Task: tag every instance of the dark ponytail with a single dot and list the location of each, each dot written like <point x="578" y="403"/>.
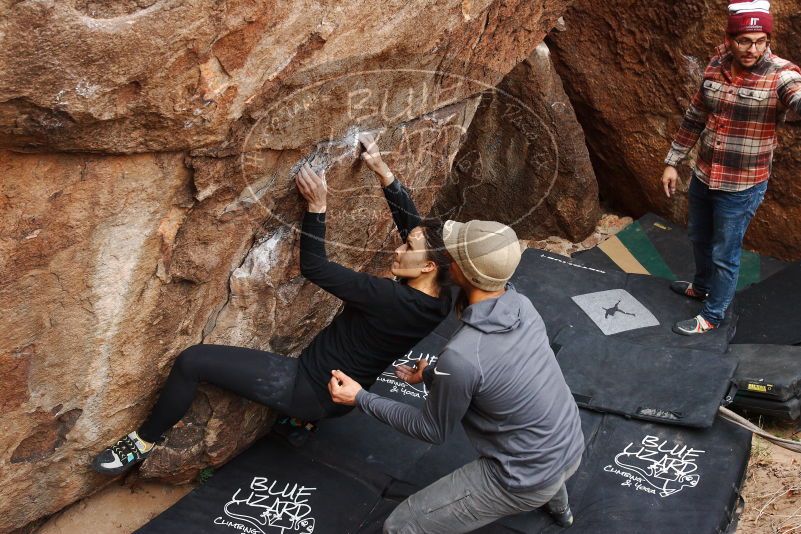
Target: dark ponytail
<point x="436" y="252"/>
<point x="435" y="245"/>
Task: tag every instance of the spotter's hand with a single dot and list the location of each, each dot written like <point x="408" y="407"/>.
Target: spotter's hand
<point x="343" y="389"/>
<point x="412" y="375"/>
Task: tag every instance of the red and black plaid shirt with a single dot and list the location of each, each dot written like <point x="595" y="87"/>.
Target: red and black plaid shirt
<point x="736" y="119"/>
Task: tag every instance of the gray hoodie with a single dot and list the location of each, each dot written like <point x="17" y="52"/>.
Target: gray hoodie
<point x="499" y="377"/>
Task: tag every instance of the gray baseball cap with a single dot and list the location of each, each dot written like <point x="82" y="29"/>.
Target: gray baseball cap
<point x="487" y="251"/>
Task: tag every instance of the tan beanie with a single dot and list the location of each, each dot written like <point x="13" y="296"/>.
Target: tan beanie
<point x="486" y="251"/>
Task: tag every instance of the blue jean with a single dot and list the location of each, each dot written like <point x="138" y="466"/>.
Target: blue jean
<point x="718" y="221"/>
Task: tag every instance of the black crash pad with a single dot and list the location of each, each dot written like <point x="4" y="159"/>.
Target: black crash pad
<point x="360" y="470"/>
<point x="273" y="488"/>
<point x="666" y="384"/>
<point x="768" y="371"/>
<point x="786" y="410"/>
<point x="638" y="308"/>
<point x="770" y="311"/>
<point x="635" y="477"/>
<point x="645" y="477"/>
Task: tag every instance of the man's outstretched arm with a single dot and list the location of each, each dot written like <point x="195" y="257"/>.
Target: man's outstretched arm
<point x="448" y="400"/>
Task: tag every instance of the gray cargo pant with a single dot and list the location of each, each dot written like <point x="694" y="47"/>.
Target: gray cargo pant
<point x="469" y="498"/>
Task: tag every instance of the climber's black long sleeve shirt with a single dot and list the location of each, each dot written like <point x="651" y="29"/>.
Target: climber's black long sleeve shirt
<point x="381" y="320"/>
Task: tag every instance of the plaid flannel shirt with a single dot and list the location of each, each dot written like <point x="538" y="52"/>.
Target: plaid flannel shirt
<point x="736" y="120"/>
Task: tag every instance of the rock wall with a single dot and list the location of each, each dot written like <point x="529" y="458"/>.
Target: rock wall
<point x="525" y="161"/>
<point x="630" y="73"/>
<point x="161" y="75"/>
<point x="147" y="204"/>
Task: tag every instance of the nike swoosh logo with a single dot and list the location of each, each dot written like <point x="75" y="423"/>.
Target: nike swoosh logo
<point x="438" y="372"/>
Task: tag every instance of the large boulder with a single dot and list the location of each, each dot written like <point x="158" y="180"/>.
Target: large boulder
<point x="630" y="73"/>
<point x="159" y="75"/>
<point x="148" y="204"/>
<point x="112" y="266"/>
<point x="525" y="162"/>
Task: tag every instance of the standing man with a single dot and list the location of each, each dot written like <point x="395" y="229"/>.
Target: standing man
<point x="499" y="377"/>
<point x="744" y="96"/>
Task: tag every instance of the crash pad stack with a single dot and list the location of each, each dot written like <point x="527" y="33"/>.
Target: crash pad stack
<point x="769" y="317"/>
<point x="768" y="379"/>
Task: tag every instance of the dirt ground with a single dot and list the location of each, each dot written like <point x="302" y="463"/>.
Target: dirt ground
<point x="772" y="488"/>
<point x="119" y="508"/>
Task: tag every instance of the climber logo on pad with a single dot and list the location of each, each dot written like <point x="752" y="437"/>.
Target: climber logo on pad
<point x="615" y="310"/>
<point x="657" y="467"/>
<point x="269" y="507"/>
<point x="610" y="312"/>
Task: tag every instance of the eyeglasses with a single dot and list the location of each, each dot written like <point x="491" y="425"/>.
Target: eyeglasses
<point x="745" y="44"/>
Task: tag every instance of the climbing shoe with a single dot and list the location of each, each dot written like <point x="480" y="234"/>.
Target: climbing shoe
<point x="686" y="289"/>
<point x="564" y="518"/>
<point x="691" y="327"/>
<point x="293" y="430"/>
<point x="122" y="456"/>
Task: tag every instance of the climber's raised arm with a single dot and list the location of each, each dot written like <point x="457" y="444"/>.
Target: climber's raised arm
<point x="359" y="289"/>
<point x="404" y="212"/>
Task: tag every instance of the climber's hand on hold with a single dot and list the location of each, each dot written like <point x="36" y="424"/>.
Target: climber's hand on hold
<point x="372" y="157"/>
<point x="313" y="188"/>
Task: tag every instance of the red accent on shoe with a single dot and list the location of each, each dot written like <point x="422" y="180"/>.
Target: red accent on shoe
<point x="705" y="327"/>
<point x="694" y="293"/>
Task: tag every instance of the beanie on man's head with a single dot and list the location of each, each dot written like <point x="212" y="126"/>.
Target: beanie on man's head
<point x="487" y="252"/>
<point x="750" y="17"/>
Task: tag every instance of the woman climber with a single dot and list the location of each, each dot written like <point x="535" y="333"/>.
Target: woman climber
<point x="381" y="319"/>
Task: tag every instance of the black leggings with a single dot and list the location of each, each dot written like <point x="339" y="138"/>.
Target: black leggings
<point x="264" y="377"/>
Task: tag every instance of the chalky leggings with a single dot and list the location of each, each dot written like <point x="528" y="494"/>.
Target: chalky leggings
<point x="265" y="377"/>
